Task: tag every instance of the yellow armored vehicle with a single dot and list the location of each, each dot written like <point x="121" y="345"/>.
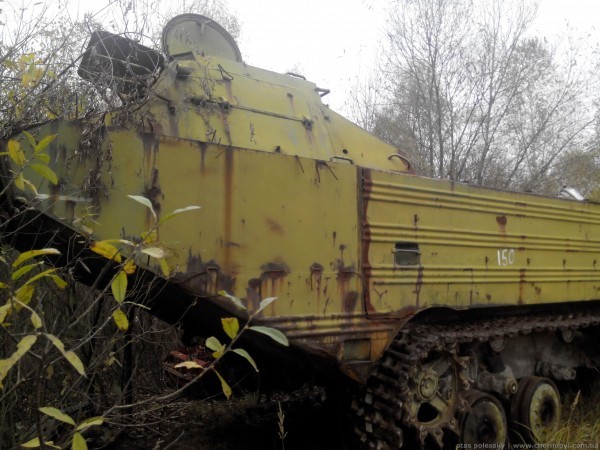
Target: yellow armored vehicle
<point x="453" y="309"/>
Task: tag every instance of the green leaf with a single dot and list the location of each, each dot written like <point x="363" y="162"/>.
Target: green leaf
<point x="119" y="286"/>
<point x="121" y="320"/>
<point x="155" y="252"/>
<point x="91" y="422"/>
<point x="266" y="302"/>
<point x="32" y="254"/>
<point x="68" y="355"/>
<point x="34" y="443"/>
<point x="57" y="414"/>
<point x="231" y="326"/>
<point x="274" y="334"/>
<point x="44" y="143"/>
<point x="46" y="172"/>
<point x="178" y="211"/>
<point x="236" y="301"/>
<point x="22" y="347"/>
<point x="144" y="201"/>
<point x="213" y="343"/>
<point x="16" y="153"/>
<point x="78" y="442"/>
<point x="224" y="386"/>
<point x="23" y="270"/>
<point x="30" y="138"/>
<point x="45" y="273"/>
<point x="245" y="354"/>
<point x="43" y="157"/>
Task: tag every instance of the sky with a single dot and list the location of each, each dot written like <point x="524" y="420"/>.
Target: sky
<point x="335" y="42"/>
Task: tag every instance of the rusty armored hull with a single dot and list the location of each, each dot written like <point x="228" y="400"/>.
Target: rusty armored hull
<point x="300" y="204"/>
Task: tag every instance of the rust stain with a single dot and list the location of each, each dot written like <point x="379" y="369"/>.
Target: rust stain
<point x="203" y="149"/>
<point x="203" y="279"/>
<point x="521" y="285"/>
<point x="273" y="273"/>
<point x="349" y="301"/>
<point x="274" y="227"/>
<point x="153" y="193"/>
<point x="502" y="221"/>
<point x="366" y="180"/>
<point x="253" y="293"/>
<point x="228" y="206"/>
<point x="418" y="286"/>
<point x="316" y="278"/>
<point x="227" y="85"/>
<point x="290" y="97"/>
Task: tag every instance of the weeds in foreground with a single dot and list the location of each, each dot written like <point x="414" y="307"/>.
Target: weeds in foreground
<point x="581" y="426"/>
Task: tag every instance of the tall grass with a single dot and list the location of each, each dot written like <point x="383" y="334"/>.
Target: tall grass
<point x="580" y="426"/>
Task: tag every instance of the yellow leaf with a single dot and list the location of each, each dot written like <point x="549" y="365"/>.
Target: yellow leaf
<point x="164" y="266"/>
<point x="68" y="355"/>
<point x="119" y="286"/>
<point x="16" y="152"/>
<point x="121" y="320"/>
<point x="32" y="254"/>
<point x="78" y="442"/>
<point x="36" y="320"/>
<point x="224" y="386"/>
<point x="57" y="414"/>
<point x="189" y="365"/>
<point x="22" y="347"/>
<point x="150" y="237"/>
<point x="129" y="267"/>
<point x="231" y="326"/>
<point x="4" y="312"/>
<point x="220" y="352"/>
<point x="107" y="250"/>
<point x="60" y="283"/>
<point x="20" y="182"/>
<point x="24" y="294"/>
<point x="34" y="443"/>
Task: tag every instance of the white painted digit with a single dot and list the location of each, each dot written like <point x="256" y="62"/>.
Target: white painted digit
<point x="506" y="257"/>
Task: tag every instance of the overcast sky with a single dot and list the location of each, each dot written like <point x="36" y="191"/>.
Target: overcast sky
<point x="332" y="42"/>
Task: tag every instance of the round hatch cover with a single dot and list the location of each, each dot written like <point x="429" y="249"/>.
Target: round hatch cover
<point x="192" y="34"/>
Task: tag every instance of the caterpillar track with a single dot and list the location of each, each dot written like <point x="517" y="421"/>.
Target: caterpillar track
<point x="424" y="368"/>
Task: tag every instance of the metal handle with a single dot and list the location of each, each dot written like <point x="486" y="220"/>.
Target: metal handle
<point x="343" y="158"/>
<point x="403" y="158"/>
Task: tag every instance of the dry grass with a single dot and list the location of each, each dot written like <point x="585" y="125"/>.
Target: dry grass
<point x="580" y="420"/>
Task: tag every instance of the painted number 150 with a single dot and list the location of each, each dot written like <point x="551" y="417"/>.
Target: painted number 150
<point x="506" y="257"/>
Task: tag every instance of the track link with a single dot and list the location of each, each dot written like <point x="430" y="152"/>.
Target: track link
<point x="385" y="409"/>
